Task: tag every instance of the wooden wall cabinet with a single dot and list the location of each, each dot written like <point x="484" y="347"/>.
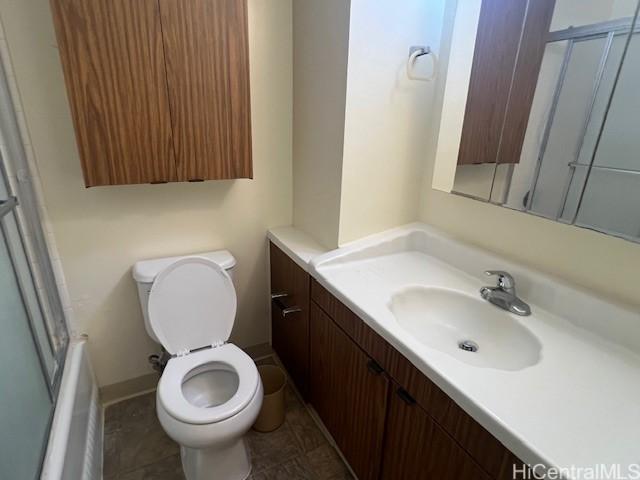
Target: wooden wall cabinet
<point x="508" y="53"/>
<point x="159" y="89"/>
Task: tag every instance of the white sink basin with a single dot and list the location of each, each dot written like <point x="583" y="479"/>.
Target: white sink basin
<point x="444" y="319"/>
<point x="571" y="367"/>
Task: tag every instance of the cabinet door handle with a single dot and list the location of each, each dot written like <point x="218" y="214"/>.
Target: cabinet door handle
<point x="406" y="398"/>
<point x="276" y="298"/>
<point x="374" y="367"/>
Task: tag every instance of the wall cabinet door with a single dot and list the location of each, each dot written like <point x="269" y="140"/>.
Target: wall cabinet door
<point x="159" y="89"/>
<point x="510" y="44"/>
<point x="416" y="447"/>
<point x="113" y="62"/>
<point x="290" y="328"/>
<point x="349" y="392"/>
<point x="207" y="52"/>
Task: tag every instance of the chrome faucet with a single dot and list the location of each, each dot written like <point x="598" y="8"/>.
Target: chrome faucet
<point x="504" y="294"/>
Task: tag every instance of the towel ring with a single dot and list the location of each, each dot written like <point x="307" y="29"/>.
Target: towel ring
<point x="414" y="54"/>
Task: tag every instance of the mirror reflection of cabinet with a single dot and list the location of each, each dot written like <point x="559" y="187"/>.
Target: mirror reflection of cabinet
<point x="508" y="53"/>
<point x="539" y="113"/>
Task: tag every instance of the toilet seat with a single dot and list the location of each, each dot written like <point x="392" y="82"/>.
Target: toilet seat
<point x="192" y="304"/>
<point x="171" y="394"/>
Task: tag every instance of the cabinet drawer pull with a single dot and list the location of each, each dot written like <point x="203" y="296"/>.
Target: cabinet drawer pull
<point x="406" y="398"/>
<point x="276" y="298"/>
<point x="374" y="367"/>
<point x="287" y="311"/>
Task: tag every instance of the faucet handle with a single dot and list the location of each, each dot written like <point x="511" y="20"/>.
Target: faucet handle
<point x="505" y="280"/>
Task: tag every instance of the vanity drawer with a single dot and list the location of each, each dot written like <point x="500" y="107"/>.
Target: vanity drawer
<point x="483" y="447"/>
<point x="290" y="287"/>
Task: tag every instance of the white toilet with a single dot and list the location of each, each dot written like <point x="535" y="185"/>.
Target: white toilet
<point x="210" y="392"/>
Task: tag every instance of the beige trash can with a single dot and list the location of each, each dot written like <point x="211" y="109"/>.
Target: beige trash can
<point x="272" y="412"/>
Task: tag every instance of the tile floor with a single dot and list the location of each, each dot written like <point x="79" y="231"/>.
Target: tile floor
<point x="136" y="447"/>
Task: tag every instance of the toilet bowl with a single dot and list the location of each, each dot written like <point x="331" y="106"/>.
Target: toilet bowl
<point x="210" y="392"/>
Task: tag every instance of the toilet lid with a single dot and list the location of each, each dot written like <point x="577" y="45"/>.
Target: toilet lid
<point x="192" y="304"/>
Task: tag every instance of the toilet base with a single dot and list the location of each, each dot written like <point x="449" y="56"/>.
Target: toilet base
<point x="226" y="463"/>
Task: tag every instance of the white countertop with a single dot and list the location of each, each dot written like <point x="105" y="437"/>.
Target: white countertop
<point x="298" y="245"/>
<point x="578" y="406"/>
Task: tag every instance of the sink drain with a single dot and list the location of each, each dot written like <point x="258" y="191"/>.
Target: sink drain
<point x="468" y="346"/>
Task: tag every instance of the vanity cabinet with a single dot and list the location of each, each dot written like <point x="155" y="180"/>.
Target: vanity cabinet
<point x="159" y="89"/>
<point x="290" y="289"/>
<point x="349" y="392"/>
<point x="426" y="434"/>
<point x="416" y="447"/>
<point x="387" y="418"/>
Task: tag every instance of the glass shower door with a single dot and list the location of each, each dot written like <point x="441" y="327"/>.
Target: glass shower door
<point x="28" y="363"/>
<point x="33" y="333"/>
<point x="25" y="401"/>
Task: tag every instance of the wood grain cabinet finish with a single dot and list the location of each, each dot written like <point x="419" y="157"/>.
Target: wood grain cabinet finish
<point x="290" y="332"/>
<point x="508" y="53"/>
<point x="113" y="61"/>
<point x="525" y="79"/>
<point x="476" y="442"/>
<point x="417" y="448"/>
<point x="159" y="89"/>
<point x="207" y="52"/>
<point x="349" y="392"/>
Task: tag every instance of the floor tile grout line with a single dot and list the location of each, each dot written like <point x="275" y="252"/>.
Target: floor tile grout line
<point x="155" y="462"/>
<point x="146" y="465"/>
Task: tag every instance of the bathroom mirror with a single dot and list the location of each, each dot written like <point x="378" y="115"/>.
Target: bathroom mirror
<point x="541" y="110"/>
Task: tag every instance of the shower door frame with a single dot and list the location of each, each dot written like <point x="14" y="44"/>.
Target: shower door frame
<point x="607" y="30"/>
<point x="604" y="30"/>
<point x="25" y="236"/>
<point x="18" y="178"/>
<point x="15" y="240"/>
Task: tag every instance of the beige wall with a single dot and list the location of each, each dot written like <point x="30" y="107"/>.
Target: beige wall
<point x="460" y="25"/>
<point x="321" y="37"/>
<point x="605" y="264"/>
<point x="102" y="231"/>
<point x="359" y="123"/>
<point x="386" y="114"/>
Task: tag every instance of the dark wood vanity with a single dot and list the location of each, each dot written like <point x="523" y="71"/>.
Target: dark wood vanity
<point x="387" y="418"/>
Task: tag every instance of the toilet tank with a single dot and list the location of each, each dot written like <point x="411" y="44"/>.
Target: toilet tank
<point x="146" y="271"/>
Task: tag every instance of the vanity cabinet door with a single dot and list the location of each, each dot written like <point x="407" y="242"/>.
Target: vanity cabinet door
<point x="290" y="287"/>
<point x="416" y="447"/>
<point x="349" y="392"/>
